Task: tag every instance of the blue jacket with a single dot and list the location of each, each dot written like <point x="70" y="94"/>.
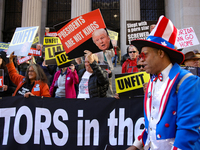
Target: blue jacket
<point x="180" y="114"/>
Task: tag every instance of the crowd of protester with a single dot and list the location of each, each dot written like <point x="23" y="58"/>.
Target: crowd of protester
<point x="80" y="80"/>
<point x="87" y="78"/>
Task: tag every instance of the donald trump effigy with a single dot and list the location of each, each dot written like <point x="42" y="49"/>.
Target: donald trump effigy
<point x="172" y="100"/>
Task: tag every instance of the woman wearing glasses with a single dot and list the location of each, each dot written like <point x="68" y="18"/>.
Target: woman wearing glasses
<point x="34" y="83"/>
<point x="130" y="65"/>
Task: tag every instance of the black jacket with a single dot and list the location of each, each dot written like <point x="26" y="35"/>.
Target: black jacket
<point x="98" y="81"/>
<point x="10" y="84"/>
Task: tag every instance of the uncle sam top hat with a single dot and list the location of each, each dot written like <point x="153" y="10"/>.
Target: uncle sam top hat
<point x="162" y="37"/>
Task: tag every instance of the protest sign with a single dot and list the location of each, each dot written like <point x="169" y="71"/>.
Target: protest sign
<point x="54" y="34"/>
<point x="3" y="46"/>
<point x="36" y="40"/>
<point x="22" y="40"/>
<point x="23" y="59"/>
<point x="113" y="35"/>
<point x="69" y="124"/>
<point x="51" y="41"/>
<point x="193" y="70"/>
<point x="50" y="54"/>
<point x="76" y="34"/>
<point x="186" y="38"/>
<point x="131" y="84"/>
<point x="35" y="52"/>
<point x="1" y="79"/>
<point x="62" y="59"/>
<point x="137" y="30"/>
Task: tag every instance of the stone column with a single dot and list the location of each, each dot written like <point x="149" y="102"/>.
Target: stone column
<point x="80" y="7"/>
<point x="184" y="14"/>
<point x="31" y="13"/>
<point x="2" y="7"/>
<point x="129" y="10"/>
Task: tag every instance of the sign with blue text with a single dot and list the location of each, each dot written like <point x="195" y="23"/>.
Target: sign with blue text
<point x="22" y="40"/>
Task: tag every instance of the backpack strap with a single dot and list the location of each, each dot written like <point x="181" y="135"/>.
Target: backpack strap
<point x="181" y="81"/>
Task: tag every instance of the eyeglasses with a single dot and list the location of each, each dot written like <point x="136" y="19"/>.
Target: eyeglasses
<point x="132" y="52"/>
<point x="142" y="55"/>
<point x="139" y="66"/>
<point x="31" y="71"/>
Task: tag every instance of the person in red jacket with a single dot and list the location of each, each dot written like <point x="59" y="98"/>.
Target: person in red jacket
<point x="130" y="65"/>
<point x="34" y="83"/>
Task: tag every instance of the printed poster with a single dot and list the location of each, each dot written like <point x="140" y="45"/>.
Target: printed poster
<point x="22" y="40"/>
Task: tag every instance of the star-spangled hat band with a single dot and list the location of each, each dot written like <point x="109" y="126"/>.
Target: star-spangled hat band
<point x="162" y="37"/>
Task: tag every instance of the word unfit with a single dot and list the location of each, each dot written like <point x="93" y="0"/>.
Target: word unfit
<point x="131" y="81"/>
<point x="23" y="36"/>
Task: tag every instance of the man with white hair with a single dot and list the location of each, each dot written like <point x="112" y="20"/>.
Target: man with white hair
<point x="93" y="80"/>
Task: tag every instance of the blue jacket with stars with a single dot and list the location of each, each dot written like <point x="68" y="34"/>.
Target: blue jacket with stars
<point x="179" y="112"/>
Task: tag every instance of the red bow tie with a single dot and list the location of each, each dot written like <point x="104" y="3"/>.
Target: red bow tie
<point x="159" y="76"/>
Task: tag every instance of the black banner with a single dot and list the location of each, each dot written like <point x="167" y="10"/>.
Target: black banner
<point x="50" y="123"/>
<point x="137" y="30"/>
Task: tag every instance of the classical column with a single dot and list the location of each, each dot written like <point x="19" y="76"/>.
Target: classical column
<point x="183" y="14"/>
<point x="31" y="13"/>
<point x="129" y="10"/>
<point x="80" y="7"/>
<point x="2" y="6"/>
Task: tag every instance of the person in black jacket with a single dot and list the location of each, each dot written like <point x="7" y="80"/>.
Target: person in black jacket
<point x="8" y="86"/>
<point x="93" y="79"/>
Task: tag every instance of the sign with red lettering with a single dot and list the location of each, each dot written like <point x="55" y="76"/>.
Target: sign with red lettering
<point x="76" y="34"/>
<point x="35" y="52"/>
<point x="24" y="59"/>
<point x="51" y="34"/>
<point x="1" y="79"/>
<point x="186" y="38"/>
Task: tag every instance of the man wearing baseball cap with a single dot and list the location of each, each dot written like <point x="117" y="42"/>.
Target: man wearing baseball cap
<point x="171" y="103"/>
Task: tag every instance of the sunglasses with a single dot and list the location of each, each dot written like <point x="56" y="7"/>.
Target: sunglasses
<point x="142" y="55"/>
<point x="139" y="66"/>
<point x="132" y="52"/>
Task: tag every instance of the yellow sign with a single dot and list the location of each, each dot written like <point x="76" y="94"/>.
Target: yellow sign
<point x="62" y="58"/>
<point x="113" y="35"/>
<point x="51" y="41"/>
<point x="4" y="45"/>
<point x="50" y="51"/>
<point x="36" y="39"/>
<point x="131" y="82"/>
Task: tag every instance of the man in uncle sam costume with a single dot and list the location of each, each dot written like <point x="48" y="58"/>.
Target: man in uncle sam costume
<point x="172" y="100"/>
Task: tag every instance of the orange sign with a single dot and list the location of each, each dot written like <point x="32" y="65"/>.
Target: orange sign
<point x="80" y="29"/>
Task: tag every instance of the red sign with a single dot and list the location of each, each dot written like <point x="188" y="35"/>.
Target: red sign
<point x="24" y="59"/>
<point x="51" y="34"/>
<point x="35" y="52"/>
<point x="1" y="81"/>
<point x="80" y="29"/>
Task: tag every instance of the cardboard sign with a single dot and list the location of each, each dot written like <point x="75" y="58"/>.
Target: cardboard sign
<point x="62" y="59"/>
<point x="35" y="52"/>
<point x="54" y="34"/>
<point x="131" y="84"/>
<point x="76" y="34"/>
<point x="3" y="46"/>
<point x="36" y="40"/>
<point x="1" y="79"/>
<point x="24" y="59"/>
<point x="113" y="35"/>
<point x="51" y="41"/>
<point x="137" y="30"/>
<point x="186" y="38"/>
<point x="50" y="54"/>
<point x="22" y="40"/>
